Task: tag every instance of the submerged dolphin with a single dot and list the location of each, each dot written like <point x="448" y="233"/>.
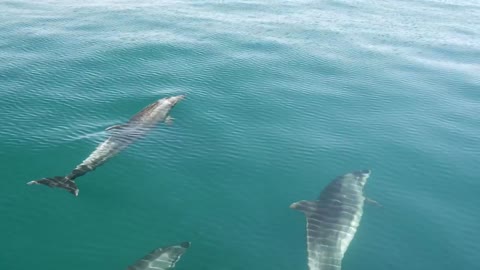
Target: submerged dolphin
<point x="163" y="258"/>
<point x="333" y="219"/>
<point x="121" y="136"/>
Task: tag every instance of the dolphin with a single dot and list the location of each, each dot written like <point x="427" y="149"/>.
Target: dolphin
<point x="120" y="137"/>
<point x="333" y="219"/>
<point x="163" y="258"/>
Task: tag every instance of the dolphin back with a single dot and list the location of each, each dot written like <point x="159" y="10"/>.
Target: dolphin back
<point x="163" y="258"/>
<point x="333" y="219"/>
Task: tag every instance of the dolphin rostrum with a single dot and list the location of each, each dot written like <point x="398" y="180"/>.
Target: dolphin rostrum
<point x="163" y="258"/>
<point x="333" y="219"/>
<point x="120" y="137"/>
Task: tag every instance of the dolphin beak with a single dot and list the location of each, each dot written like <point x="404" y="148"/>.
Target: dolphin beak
<point x="176" y="99"/>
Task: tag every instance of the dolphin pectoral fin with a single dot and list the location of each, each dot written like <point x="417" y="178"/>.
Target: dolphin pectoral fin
<point x="59" y="182"/>
<point x="114" y="127"/>
<point x="304" y="206"/>
<point x="169" y="120"/>
<point x="368" y="200"/>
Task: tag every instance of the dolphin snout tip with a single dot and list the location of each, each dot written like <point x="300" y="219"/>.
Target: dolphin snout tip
<point x="363" y="173"/>
<point x="176" y="99"/>
<point x="366" y="171"/>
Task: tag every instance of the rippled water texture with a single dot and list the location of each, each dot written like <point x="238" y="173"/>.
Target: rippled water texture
<point x="281" y="98"/>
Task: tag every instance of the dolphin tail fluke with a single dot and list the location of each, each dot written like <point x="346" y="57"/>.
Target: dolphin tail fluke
<point x="59" y="182"/>
<point x="163" y="258"/>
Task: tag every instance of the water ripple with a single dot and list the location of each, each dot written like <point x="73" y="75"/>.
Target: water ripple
<point x="281" y="98"/>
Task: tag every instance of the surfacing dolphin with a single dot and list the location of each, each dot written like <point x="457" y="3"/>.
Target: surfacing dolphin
<point x="163" y="258"/>
<point x="333" y="219"/>
<point x="120" y="137"/>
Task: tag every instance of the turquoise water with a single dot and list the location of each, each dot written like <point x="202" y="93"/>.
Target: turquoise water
<point x="281" y="98"/>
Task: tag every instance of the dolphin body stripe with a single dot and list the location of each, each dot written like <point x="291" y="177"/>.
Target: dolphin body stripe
<point x="120" y="137"/>
<point x="333" y="219"/>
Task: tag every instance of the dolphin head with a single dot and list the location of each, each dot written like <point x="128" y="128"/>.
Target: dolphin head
<point x="361" y="177"/>
<point x="173" y="100"/>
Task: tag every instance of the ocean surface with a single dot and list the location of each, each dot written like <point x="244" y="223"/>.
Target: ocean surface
<point x="281" y="97"/>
